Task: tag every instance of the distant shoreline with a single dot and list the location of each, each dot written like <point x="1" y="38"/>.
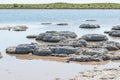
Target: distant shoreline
<point x="61" y="6"/>
<point x="58" y="9"/>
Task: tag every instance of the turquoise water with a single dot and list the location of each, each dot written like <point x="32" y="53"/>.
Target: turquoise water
<point x="17" y="68"/>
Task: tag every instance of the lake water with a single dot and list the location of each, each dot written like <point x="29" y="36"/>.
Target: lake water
<point x="26" y="67"/>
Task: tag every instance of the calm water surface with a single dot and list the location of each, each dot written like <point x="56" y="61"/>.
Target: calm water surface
<point x="19" y="67"/>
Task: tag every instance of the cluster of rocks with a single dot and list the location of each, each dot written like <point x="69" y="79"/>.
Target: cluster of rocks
<point x="68" y="46"/>
<point x="89" y="26"/>
<point x="15" y="28"/>
<point x="115" y="31"/>
<point x="41" y="50"/>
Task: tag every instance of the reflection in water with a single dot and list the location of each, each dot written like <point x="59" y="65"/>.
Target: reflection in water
<point x="34" y="57"/>
<point x="57" y="59"/>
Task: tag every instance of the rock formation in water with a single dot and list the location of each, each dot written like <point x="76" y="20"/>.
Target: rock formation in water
<point x="89" y="26"/>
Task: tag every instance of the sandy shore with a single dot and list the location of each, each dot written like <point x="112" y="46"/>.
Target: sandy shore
<point x="105" y="74"/>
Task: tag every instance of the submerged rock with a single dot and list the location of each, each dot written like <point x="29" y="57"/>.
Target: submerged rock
<point x="89" y="26"/>
<point x="107" y="32"/>
<point x="46" y="23"/>
<point x="62" y="24"/>
<point x="90" y="20"/>
<point x="54" y="36"/>
<point x="31" y="36"/>
<point x="94" y="37"/>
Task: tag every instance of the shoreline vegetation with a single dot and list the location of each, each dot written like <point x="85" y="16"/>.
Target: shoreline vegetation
<point x="61" y="5"/>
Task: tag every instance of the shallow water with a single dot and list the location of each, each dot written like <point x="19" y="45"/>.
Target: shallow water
<point x="28" y="67"/>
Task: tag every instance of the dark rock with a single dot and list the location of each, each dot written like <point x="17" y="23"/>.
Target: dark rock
<point x="114" y="33"/>
<point x="116" y="27"/>
<point x="94" y="37"/>
<point x="22" y="49"/>
<point x="89" y="26"/>
<point x="107" y="32"/>
<point x="42" y="51"/>
<point x="62" y="24"/>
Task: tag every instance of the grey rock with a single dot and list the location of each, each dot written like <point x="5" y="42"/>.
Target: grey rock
<point x="54" y="36"/>
<point x="95" y="51"/>
<point x="94" y="37"/>
<point x="89" y="26"/>
<point x="110" y="45"/>
<point x="63" y="50"/>
<point x="90" y="20"/>
<point x="116" y="27"/>
<point x="93" y="54"/>
<point x="74" y="42"/>
<point x="42" y="51"/>
<point x="22" y="49"/>
<point x="114" y="33"/>
<point x="114" y="56"/>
